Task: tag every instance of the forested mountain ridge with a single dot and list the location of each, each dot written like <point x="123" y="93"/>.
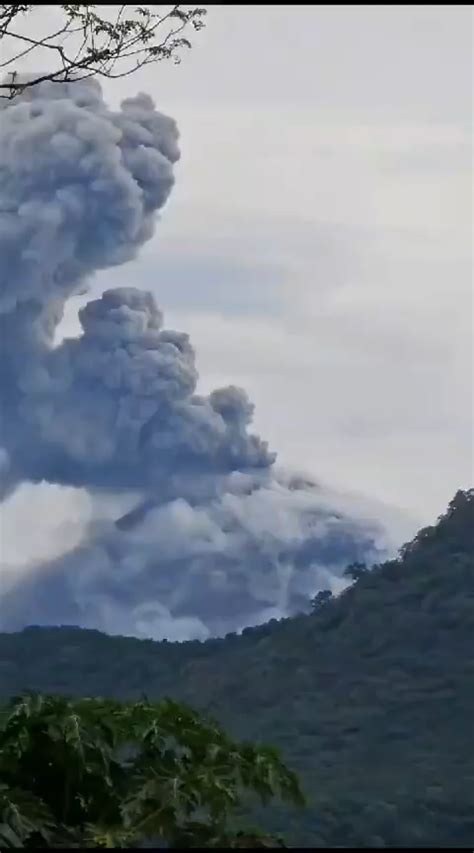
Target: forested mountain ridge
<point x="370" y="698"/>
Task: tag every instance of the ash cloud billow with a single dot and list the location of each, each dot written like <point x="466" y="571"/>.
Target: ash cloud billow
<point x="217" y="538"/>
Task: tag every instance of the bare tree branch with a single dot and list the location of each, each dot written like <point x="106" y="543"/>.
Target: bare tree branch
<point x="135" y="37"/>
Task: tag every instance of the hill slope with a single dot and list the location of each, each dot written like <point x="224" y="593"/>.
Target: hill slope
<point x="371" y="698"/>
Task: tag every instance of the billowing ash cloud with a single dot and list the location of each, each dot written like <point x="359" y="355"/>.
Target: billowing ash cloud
<point x="116" y="407"/>
<point x="217" y="539"/>
<point x="236" y="550"/>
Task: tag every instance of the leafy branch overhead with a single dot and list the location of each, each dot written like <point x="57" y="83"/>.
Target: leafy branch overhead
<point x="92" y="41"/>
<point x="99" y="773"/>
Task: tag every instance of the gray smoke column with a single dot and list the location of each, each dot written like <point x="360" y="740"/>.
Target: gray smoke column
<point x="79" y="190"/>
<point x="217" y="539"/>
<point x="80" y="187"/>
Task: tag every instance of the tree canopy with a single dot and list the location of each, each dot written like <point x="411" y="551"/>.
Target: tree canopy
<point x="99" y="773"/>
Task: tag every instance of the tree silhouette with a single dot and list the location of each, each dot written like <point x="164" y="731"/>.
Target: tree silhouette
<point x="113" y="42"/>
<point x="321" y="599"/>
<point x="355" y="571"/>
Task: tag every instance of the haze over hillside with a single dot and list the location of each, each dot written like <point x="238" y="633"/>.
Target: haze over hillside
<point x="370" y="698"/>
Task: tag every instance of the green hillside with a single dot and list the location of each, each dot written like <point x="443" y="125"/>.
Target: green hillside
<point x="371" y="698"/>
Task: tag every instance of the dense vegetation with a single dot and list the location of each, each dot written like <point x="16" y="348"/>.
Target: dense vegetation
<point x="100" y="773"/>
<point x="370" y="697"/>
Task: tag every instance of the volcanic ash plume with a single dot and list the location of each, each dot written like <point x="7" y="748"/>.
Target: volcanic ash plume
<point x="217" y="539"/>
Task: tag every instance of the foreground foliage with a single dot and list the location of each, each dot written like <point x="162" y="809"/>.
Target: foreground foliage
<point x="370" y="697"/>
<point x="98" y="773"/>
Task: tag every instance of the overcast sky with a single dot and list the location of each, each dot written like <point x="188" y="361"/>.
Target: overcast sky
<point x="317" y="245"/>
